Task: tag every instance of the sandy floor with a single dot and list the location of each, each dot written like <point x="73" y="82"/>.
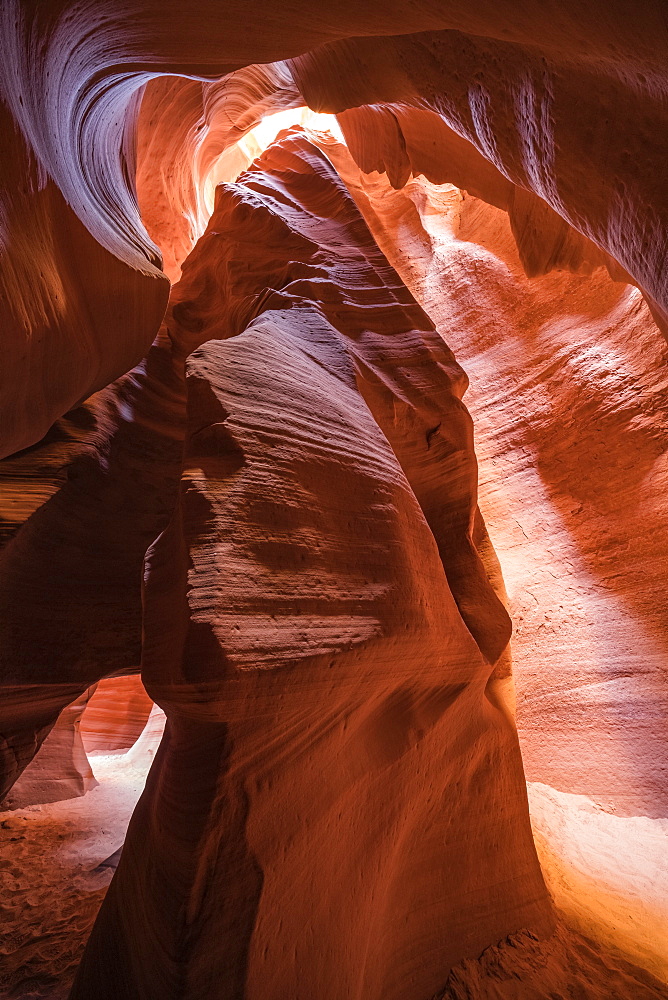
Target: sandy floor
<point x="607" y="873"/>
<point x="51" y="885"/>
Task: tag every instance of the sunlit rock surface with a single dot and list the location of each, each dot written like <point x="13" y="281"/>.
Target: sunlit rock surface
<point x="537" y="112"/>
<point x="565" y="103"/>
<point x="190" y="138"/>
<point x="324" y="696"/>
<point x="115" y="715"/>
<point x="551" y="121"/>
<point x="61" y="769"/>
<point x="569" y="394"/>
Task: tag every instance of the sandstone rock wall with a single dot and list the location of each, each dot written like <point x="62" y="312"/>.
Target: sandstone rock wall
<point x="569" y="396"/>
<point x="329" y="738"/>
<point x="565" y="103"/>
<point x="115" y="715"/>
<point x="116" y="124"/>
<point x="70" y="569"/>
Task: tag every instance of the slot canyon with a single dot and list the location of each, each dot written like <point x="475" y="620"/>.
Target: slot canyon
<point x="333" y="500"/>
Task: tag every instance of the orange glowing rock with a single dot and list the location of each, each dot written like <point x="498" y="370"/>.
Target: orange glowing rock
<point x="60" y="770"/>
<point x="569" y="398"/>
<point x="329" y="743"/>
<point x="326" y="565"/>
<point x="115" y="715"/>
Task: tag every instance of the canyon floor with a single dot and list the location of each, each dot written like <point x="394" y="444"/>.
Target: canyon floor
<point x="55" y="877"/>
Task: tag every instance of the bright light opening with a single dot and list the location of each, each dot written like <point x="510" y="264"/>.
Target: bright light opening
<point x="238" y="157"/>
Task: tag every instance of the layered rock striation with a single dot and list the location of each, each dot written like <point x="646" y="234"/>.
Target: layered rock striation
<point x="566" y="104"/>
<point x="321" y="632"/>
<point x="569" y="397"/>
<point x="317" y="561"/>
<point x="79" y="512"/>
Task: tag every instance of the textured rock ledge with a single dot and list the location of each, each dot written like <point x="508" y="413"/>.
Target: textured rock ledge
<point x="329" y="750"/>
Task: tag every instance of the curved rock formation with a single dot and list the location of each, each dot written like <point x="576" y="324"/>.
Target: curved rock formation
<point x="323" y="692"/>
<point x="70" y="574"/>
<point x="60" y="770"/>
<point x="526" y="86"/>
<point x="535" y="112"/>
<point x="116" y="126"/>
<point x="566" y="491"/>
<point x="116" y="714"/>
<point x="73" y="316"/>
<point x="404" y="141"/>
<point x="179" y="167"/>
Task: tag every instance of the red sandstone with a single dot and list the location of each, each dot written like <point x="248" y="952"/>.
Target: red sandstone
<point x="269" y="503"/>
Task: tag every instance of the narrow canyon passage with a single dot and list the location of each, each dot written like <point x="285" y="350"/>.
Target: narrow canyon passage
<point x="333" y="604"/>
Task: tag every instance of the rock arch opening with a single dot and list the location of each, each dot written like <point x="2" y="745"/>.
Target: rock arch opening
<point x="408" y="388"/>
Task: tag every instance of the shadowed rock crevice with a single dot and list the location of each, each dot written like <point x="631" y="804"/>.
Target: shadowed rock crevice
<point x="267" y="501"/>
<point x="349" y="687"/>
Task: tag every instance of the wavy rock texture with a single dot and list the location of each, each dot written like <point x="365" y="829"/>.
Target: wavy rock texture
<point x="60" y="769"/>
<point x="116" y="714"/>
<point x="81" y="292"/>
<point x="70" y="569"/>
<point x="404" y="141"/>
<point x="566" y="103"/>
<point x="328" y="734"/>
<point x="573" y="493"/>
<point x="552" y="112"/>
<point x="188" y="134"/>
<point x="537" y="113"/>
<point x="73" y="317"/>
<point x="108" y="717"/>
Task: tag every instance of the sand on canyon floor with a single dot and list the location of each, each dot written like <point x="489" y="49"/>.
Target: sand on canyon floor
<point x="53" y="878"/>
